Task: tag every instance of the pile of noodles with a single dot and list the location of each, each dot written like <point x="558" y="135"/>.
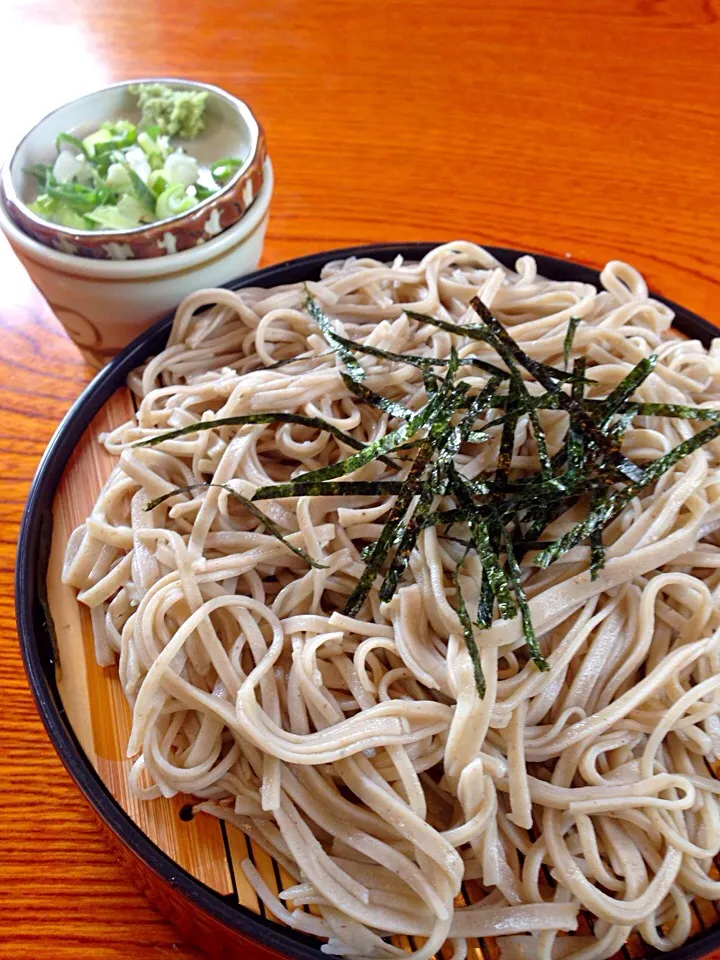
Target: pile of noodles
<point x="358" y="752"/>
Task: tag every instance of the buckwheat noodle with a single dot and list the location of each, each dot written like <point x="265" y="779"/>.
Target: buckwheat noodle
<point x="357" y="751"/>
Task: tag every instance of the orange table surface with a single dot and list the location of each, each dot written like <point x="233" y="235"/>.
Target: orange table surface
<point x="587" y="128"/>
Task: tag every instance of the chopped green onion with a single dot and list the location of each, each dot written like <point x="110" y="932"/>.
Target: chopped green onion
<point x="96" y="139"/>
<point x="112" y="218"/>
<point x="173" y="201"/>
<point x="78" y="197"/>
<point x="122" y="132"/>
<point x="140" y="189"/>
<point x="157" y="183"/>
<point x="224" y="169"/>
<point x="40" y="171"/>
<point x="147" y="143"/>
<point x="118" y="161"/>
<point x="74" y="142"/>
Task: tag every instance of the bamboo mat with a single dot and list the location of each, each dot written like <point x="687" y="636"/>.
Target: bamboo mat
<point x="206" y="848"/>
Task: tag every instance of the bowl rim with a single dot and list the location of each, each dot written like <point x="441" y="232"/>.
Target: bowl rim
<point x="142" y="268"/>
<point x="13" y="199"/>
<point x="35" y="623"/>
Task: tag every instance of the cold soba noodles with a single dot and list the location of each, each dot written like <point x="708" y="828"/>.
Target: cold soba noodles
<point x="489" y="668"/>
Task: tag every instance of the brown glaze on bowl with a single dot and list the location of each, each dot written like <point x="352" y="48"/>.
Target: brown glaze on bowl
<point x="231" y="130"/>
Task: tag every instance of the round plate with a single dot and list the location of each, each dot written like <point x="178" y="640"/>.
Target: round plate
<point x="211" y="921"/>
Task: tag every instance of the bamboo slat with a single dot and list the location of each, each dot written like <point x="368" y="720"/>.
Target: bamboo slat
<point x="92" y="695"/>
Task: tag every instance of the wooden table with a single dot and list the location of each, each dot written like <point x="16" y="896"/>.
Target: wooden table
<point x="586" y="129"/>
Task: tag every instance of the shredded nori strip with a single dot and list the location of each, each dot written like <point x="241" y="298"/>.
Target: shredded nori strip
<point x="386" y="539"/>
<point x="370" y="452"/>
<point x="430" y="380"/>
<point x="415" y="360"/>
<point x="284" y="363"/>
<point x="468" y="634"/>
<point x="485" y="535"/>
<point x="334" y="340"/>
<point x="407" y="542"/>
<point x="597" y="547"/>
<point x="672" y="410"/>
<point x="627" y="386"/>
<point x="393" y="407"/>
<point x="478" y="332"/>
<point x="507" y="347"/>
<point x="611" y="505"/>
<point x="473" y="331"/>
<point x="487" y="548"/>
<point x="269" y="524"/>
<point x="337" y="488"/>
<point x="507" y="438"/>
<point x="446" y="442"/>
<point x="256" y="418"/>
<point x="569" y="337"/>
<point x="575" y="441"/>
<point x="446" y="401"/>
<point x="617" y="430"/>
<point x="638" y="408"/>
<point x="546" y="467"/>
<point x="505" y="518"/>
<point x="514" y="573"/>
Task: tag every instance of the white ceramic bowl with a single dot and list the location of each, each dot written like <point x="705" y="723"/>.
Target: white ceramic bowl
<point x="104" y="304"/>
<point x="231" y="129"/>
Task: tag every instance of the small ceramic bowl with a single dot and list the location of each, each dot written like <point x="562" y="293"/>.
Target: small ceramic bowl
<point x="104" y="305"/>
<point x="231" y="130"/>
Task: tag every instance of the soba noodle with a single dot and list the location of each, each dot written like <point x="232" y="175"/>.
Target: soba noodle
<point x="356" y="750"/>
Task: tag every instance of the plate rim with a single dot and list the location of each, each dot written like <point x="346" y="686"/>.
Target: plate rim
<point x="35" y="626"/>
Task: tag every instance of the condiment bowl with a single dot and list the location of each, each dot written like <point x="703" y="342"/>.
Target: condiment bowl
<point x="231" y="129"/>
<point x="104" y="304"/>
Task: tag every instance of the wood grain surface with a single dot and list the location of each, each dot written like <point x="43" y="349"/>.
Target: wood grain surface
<point x="590" y="129"/>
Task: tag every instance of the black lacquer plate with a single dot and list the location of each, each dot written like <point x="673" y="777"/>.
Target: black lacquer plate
<point x="36" y="636"/>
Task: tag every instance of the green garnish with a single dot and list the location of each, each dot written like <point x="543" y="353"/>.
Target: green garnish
<point x="597" y="547"/>
<point x="338" y="343"/>
<point x="444" y="441"/>
<point x="627" y="386"/>
<point x="174" y="200"/>
<point x="575" y="443"/>
<point x="122" y="176"/>
<point x="74" y="142"/>
<point x="392" y="407"/>
<point x="122" y="133"/>
<point x="223" y="169"/>
<point x="569" y="338"/>
<point x="608" y="507"/>
<point x="502" y="516"/>
<point x="514" y="573"/>
<point x="468" y="633"/>
<point x="480" y="333"/>
<point x="176" y="113"/>
<point x="269" y="524"/>
<point x="508" y="349"/>
<point x="316" y="423"/>
<point x="143" y="194"/>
